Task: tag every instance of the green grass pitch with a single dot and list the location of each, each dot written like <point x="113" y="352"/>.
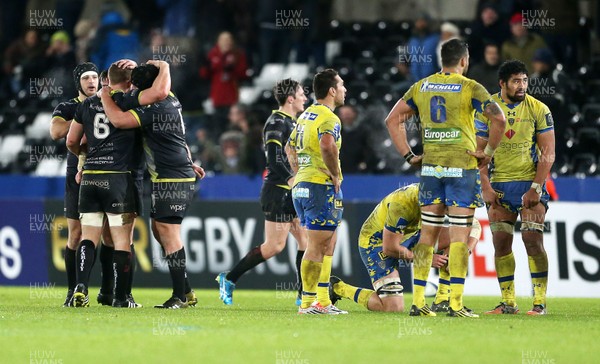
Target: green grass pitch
<point x="263" y="327"/>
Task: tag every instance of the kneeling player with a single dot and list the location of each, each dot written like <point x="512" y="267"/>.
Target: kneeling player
<point x="387" y="237"/>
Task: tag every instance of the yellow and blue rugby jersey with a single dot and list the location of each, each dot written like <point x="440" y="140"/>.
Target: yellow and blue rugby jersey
<point x="315" y="121"/>
<point x="399" y="212"/>
<point x="516" y="157"/>
<point x="445" y="104"/>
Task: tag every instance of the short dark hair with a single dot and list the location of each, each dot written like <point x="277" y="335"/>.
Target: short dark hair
<point x="143" y="76"/>
<point x="323" y="81"/>
<point x="511" y="67"/>
<point x="452" y="51"/>
<point x="104" y="75"/>
<point x="285" y="88"/>
<point x="118" y="75"/>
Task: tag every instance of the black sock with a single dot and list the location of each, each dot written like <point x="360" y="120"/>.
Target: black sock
<point x="71" y="267"/>
<point x="251" y="260"/>
<point x="188" y="287"/>
<point x="176" y="263"/>
<point x="106" y="260"/>
<point x="299" y="256"/>
<point x="121" y="267"/>
<point x="132" y="270"/>
<point x="85" y="259"/>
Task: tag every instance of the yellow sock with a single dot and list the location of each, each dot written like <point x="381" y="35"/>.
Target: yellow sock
<point x="310" y="277"/>
<point x="505" y="269"/>
<point x="443" y="291"/>
<point x="538" y="266"/>
<point x="356" y="294"/>
<point x="458" y="262"/>
<point x="423" y="254"/>
<point x="323" y="286"/>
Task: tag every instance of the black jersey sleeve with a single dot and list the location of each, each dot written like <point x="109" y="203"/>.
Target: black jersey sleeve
<point x="275" y="136"/>
<point x="78" y="116"/>
<point x="130" y="100"/>
<point x="65" y="110"/>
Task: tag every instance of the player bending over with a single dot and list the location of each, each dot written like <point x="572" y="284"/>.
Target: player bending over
<point x="386" y="239"/>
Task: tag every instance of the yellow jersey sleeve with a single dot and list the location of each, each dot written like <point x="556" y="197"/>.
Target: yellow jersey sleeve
<point x="409" y="96"/>
<point x="543" y="120"/>
<point x="480" y="97"/>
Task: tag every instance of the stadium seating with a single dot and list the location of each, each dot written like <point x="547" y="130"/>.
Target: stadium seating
<point x="10" y="148"/>
<point x="40" y="126"/>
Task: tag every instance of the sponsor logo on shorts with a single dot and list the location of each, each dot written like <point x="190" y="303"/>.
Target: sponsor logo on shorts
<point x="177" y="208"/>
<point x="442" y="135"/>
<point x="499" y="193"/>
<point x="119" y="204"/>
<point x="338" y="204"/>
<point x="101" y="183"/>
<point x="440" y="87"/>
<point x="300" y="192"/>
<point x="382" y="256"/>
<point x="304" y="160"/>
<point x="439" y="172"/>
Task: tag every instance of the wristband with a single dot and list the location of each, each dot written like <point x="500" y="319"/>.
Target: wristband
<point x="409" y="156"/>
<point x="81" y="161"/>
<point x="489" y="151"/>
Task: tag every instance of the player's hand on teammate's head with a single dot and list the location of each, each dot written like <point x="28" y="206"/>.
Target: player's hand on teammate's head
<point x="156" y="62"/>
<point x="126" y="64"/>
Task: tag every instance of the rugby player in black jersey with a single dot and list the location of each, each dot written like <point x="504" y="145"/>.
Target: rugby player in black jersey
<point x="170" y="166"/>
<point x="275" y="196"/>
<point x="107" y="189"/>
<point x="86" y="81"/>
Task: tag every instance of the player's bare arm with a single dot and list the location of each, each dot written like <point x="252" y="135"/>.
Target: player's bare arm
<point x="74" y="138"/>
<point x="160" y="87"/>
<point x="497" y="126"/>
<point x="546" y="158"/>
<point x="395" y="122"/>
<point x="392" y="248"/>
<point x="119" y="118"/>
<point x="292" y="157"/>
<point x="198" y="170"/>
<point x="330" y="154"/>
<point x="489" y="195"/>
<point x="59" y="128"/>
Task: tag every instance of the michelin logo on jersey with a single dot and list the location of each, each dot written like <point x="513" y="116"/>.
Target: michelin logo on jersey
<point x="440" y="87"/>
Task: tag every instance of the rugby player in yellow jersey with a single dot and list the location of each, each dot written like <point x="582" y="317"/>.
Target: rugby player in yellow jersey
<point x="517" y="174"/>
<point x="387" y="236"/>
<point x="313" y="152"/>
<point x="445" y="103"/>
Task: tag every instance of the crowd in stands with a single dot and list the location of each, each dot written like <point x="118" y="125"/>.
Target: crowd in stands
<point x="217" y="47"/>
